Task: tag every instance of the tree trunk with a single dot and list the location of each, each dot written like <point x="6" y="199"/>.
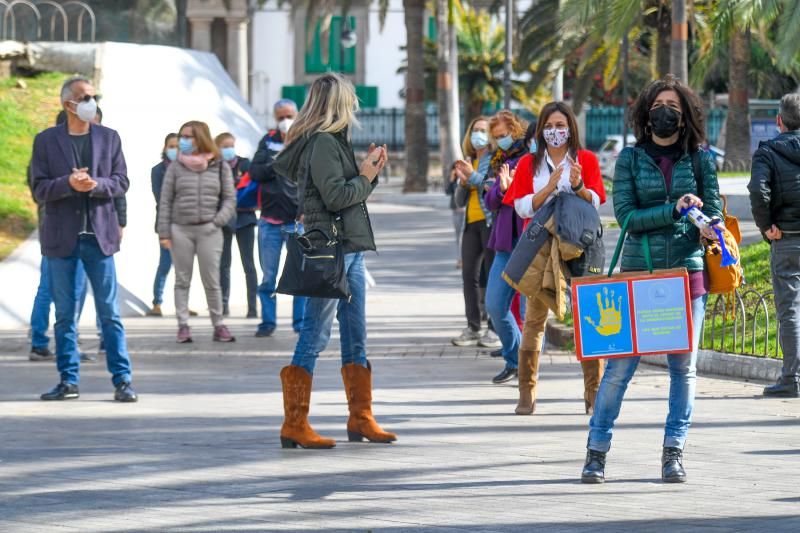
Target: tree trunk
<point x="474" y="107"/>
<point x="181" y="24"/>
<point x="415" y="127"/>
<point x="448" y="137"/>
<point x="664" y="40"/>
<point x="680" y="35"/>
<point x="581" y="91"/>
<point x="737" y="141"/>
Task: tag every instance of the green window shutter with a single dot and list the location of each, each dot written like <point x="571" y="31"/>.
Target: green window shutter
<point x="317" y="64"/>
<point x="314" y="63"/>
<point x="296" y="93"/>
<point x="367" y="96"/>
<point x="432" y="28"/>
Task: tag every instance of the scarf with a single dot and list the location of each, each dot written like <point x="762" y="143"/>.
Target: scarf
<point x="517" y="150"/>
<point x="196" y="162"/>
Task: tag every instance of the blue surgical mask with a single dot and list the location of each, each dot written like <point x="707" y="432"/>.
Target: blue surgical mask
<point x="171" y="153"/>
<point x="504" y="143"/>
<point x="479" y="139"/>
<point x="533" y="146"/>
<point x="186" y="145"/>
<point x="228" y="153"/>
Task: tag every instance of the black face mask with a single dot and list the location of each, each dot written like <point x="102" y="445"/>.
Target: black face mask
<point x="664" y="121"/>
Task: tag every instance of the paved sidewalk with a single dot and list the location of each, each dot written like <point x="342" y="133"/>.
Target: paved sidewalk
<point x="200" y="451"/>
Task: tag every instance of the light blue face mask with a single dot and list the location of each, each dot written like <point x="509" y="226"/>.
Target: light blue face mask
<point x="228" y="153"/>
<point x="504" y="143"/>
<point x="479" y="139"/>
<point x="533" y="146"/>
<point x="186" y="145"/>
<point x="171" y="153"/>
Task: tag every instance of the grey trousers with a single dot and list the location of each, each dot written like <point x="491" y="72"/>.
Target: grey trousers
<point x="785" y="263"/>
<point x="205" y="242"/>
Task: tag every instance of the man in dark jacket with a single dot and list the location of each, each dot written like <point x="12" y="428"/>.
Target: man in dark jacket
<point x="277" y="222"/>
<point x="77" y="170"/>
<point x="40" y="313"/>
<point x="775" y="200"/>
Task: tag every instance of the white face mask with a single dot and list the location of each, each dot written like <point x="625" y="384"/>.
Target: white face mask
<point x="285" y="124"/>
<point x="86" y="111"/>
<point x="556" y="137"/>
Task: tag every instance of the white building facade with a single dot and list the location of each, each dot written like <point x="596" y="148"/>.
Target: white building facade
<point x="285" y="58"/>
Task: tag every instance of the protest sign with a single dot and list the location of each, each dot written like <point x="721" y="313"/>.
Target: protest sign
<point x="634" y="313"/>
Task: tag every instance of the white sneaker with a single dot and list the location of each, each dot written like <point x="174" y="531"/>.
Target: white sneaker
<point x="489" y="340"/>
<point x="467" y="338"/>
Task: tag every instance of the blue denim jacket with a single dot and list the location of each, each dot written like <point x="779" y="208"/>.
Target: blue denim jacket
<point x="477" y="180"/>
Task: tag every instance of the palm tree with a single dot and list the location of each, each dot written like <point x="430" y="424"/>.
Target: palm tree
<point x="481" y="52"/>
<point x="585" y="37"/>
<point x="415" y="123"/>
<point x="731" y="26"/>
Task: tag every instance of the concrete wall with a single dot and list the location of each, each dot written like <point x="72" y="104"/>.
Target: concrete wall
<point x="384" y="55"/>
<point x="272" y="60"/>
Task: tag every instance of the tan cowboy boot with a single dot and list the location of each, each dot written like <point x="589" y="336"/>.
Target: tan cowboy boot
<point x="592" y="375"/>
<point x="296" y="431"/>
<point x="528" y="374"/>
<point x="361" y="424"/>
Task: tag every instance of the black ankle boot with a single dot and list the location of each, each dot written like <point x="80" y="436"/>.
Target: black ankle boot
<point x="783" y="389"/>
<point x="594" y="468"/>
<point x="672" y="465"/>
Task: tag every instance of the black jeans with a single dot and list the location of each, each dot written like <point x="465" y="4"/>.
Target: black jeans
<point x="245" y="240"/>
<point x="475" y="258"/>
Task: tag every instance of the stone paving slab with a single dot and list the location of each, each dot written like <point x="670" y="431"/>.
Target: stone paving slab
<point x="200" y="452"/>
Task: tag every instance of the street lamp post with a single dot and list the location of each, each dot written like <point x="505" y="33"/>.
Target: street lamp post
<point x="509" y="51"/>
<point x="625" y="73"/>
<point x="558" y="79"/>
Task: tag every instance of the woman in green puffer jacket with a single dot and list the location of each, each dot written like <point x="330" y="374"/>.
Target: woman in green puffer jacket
<point x="653" y="182"/>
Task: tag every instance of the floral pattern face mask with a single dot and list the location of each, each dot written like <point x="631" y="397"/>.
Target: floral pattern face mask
<point x="556" y="137"/>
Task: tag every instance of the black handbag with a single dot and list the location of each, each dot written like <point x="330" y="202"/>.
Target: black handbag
<point x="315" y="271"/>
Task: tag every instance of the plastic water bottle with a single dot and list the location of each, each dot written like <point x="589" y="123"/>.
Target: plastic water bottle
<point x="698" y="218"/>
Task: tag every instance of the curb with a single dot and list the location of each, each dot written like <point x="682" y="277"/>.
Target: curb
<point x="709" y="362"/>
<point x="729" y="365"/>
<point x="559" y="336"/>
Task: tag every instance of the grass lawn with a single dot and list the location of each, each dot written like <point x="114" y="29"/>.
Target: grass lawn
<point x="23" y="113"/>
<point x="733" y="174"/>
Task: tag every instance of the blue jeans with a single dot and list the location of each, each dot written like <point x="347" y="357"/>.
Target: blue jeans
<point x="682" y="384"/>
<point x="316" y="331"/>
<point x="271" y="238"/>
<point x="40" y="314"/>
<point x="499" y="295"/>
<point x="102" y="275"/>
<point x="164" y="264"/>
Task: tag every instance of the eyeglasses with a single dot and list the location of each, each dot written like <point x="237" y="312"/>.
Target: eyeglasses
<point x="87" y="97"/>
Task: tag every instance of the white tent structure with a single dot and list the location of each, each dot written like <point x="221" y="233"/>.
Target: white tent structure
<point x="147" y="92"/>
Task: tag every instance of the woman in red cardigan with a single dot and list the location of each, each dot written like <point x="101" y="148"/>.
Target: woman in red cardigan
<point x="555" y="165"/>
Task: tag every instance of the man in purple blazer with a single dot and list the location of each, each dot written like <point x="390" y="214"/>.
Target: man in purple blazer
<point x="77" y="170"/>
